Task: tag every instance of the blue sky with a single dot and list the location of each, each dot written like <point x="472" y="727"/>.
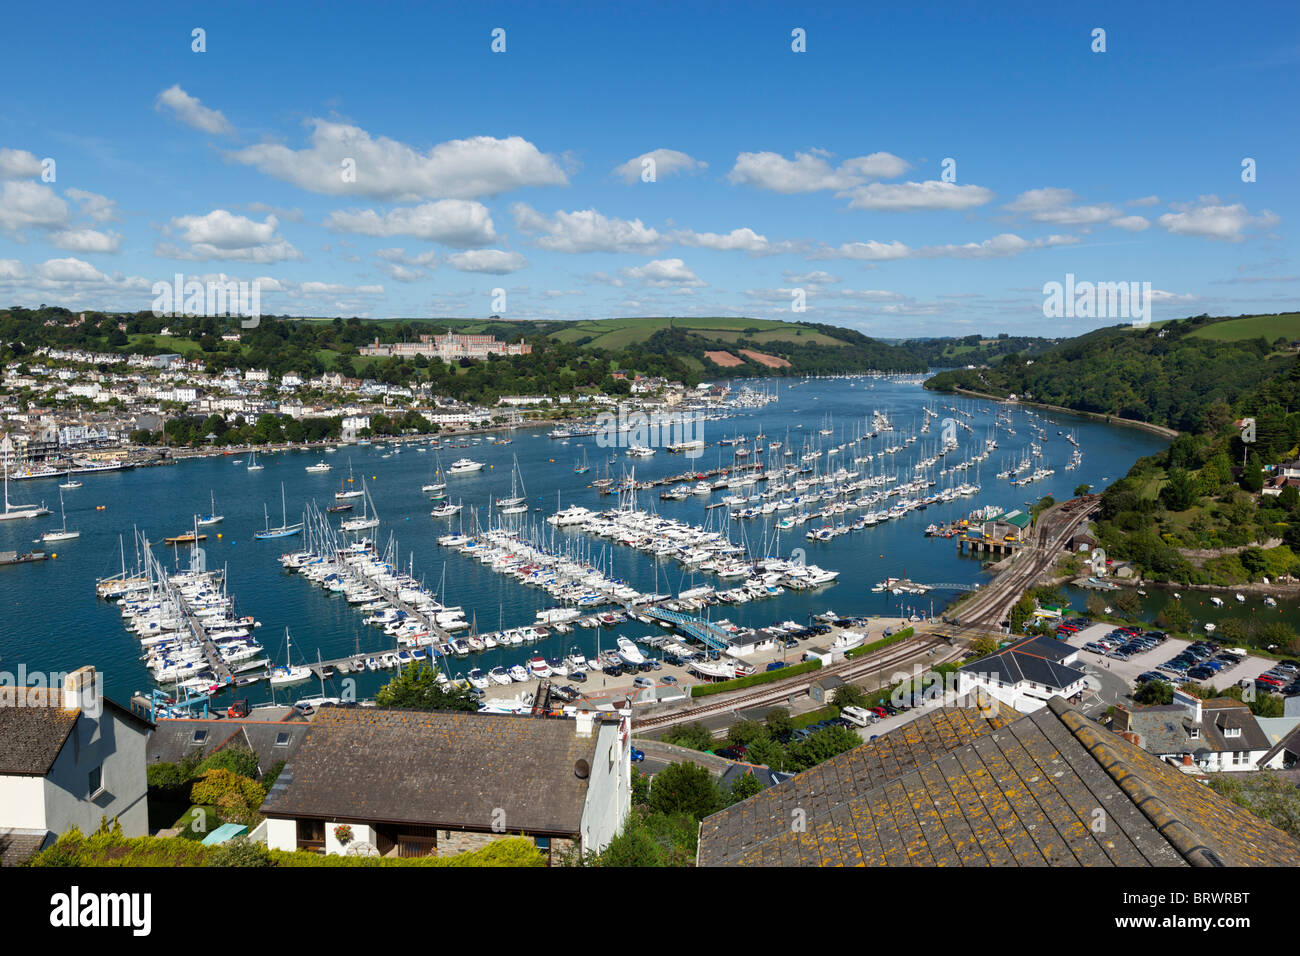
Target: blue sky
<point x="775" y="170"/>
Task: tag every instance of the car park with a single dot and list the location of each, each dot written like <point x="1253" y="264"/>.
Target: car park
<point x="1148" y="676"/>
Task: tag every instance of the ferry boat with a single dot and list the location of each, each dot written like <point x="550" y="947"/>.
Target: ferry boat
<point x="93" y="467"/>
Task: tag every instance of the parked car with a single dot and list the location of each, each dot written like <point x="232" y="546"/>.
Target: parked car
<point x="637" y="755"/>
<point x="775" y="665"/>
<point x="643" y="682"/>
<point x="579" y="676"/>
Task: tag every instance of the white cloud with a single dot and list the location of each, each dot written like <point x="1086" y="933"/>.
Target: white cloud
<point x="1000" y="246"/>
<point x="811" y="278"/>
<point x="221" y="234"/>
<point x="69" y="270"/>
<point x="870" y="251"/>
<point x="664" y="273"/>
<point x="585" y="231"/>
<point x="1210" y="219"/>
<point x="1053" y="205"/>
<point x="94" y="206"/>
<point x="18" y="164"/>
<point x="742" y="240"/>
<point x="910" y="197"/>
<point x="667" y="162"/>
<point x="25" y="205"/>
<point x="12" y="269"/>
<point x="1131" y="223"/>
<point x="452" y="222"/>
<point x="495" y="262"/>
<point x="1144" y="201"/>
<point x="191" y="112"/>
<point x="386" y="169"/>
<point x="87" y="240"/>
<point x="811" y="171"/>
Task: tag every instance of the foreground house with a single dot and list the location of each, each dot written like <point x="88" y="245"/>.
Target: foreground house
<point x="1199" y="735"/>
<point x="1026" y="675"/>
<point x="985" y="786"/>
<point x="415" y="783"/>
<point x="69" y="757"/>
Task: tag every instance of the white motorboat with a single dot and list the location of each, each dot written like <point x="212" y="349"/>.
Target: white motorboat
<point x="464" y="466"/>
<point x="319" y="468"/>
<point x="629" y="652"/>
<point x="517" y="673"/>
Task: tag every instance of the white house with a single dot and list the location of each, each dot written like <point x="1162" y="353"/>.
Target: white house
<point x="69" y="757"/>
<point x="1026" y="675"/>
<point x="1214" y="735"/>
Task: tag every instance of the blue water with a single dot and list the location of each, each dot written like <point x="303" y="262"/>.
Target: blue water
<point x="52" y="620"/>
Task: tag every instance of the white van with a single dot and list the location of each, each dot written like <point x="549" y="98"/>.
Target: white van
<point x="857" y="715"/>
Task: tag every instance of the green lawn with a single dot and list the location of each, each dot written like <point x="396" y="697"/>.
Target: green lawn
<point x="1270" y="327"/>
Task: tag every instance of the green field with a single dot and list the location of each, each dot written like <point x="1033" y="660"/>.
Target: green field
<point x="1286" y="325"/>
<point x="620" y="333"/>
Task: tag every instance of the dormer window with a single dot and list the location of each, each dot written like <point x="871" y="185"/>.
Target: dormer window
<point x="1194" y="733"/>
<point x="1232" y="731"/>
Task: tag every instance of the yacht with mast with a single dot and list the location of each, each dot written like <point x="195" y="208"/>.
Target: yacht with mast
<point x="211" y="517"/>
<point x="13" y="511"/>
<point x="285" y="530"/>
<point x="64" y="534"/>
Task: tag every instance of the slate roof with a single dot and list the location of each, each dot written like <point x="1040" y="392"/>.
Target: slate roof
<point x="955" y="788"/>
<point x="174" y="740"/>
<point x="1035" y="660"/>
<point x="1289" y="742"/>
<point x="446" y="770"/>
<point x="18" y="844"/>
<point x="33" y="729"/>
<point x="1166" y="728"/>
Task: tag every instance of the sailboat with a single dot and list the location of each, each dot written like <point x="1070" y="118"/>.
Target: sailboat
<point x="582" y="467"/>
<point x="343" y="493"/>
<point x="13" y="511"/>
<point x="369" y="519"/>
<point x="288" y="674"/>
<point x="211" y="517"/>
<point x="64" y="534"/>
<point x="437" y="488"/>
<point x="253" y="464"/>
<point x="285" y="530"/>
<point x="517" y="503"/>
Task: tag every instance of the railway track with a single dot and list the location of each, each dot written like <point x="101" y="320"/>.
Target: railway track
<point x="990" y="606"/>
<point x="781" y="690"/>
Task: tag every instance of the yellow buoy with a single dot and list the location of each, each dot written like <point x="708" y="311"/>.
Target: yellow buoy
<point x="218" y="535"/>
<point x="54" y="556"/>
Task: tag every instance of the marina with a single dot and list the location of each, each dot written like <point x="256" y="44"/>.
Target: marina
<point x="568" y="521"/>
